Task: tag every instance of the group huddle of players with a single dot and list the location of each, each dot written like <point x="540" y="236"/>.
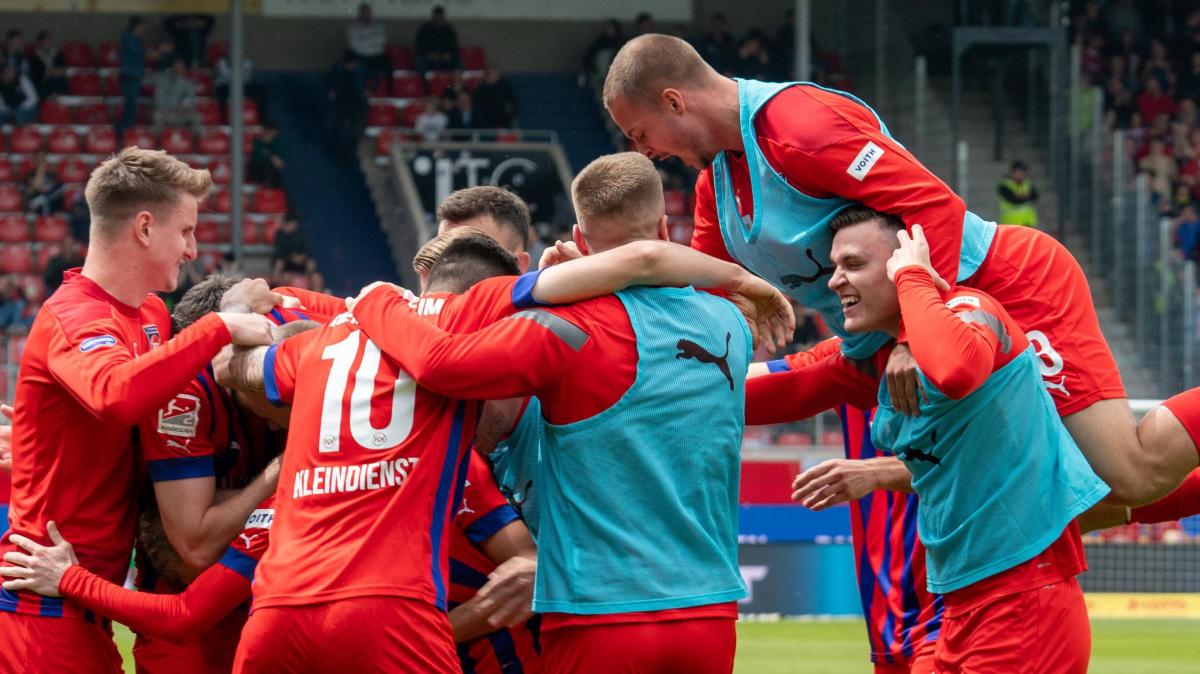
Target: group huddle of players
<point x="538" y="470"/>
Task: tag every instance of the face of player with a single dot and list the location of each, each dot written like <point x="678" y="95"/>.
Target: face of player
<point x="860" y="253"/>
<point x="172" y="242"/>
<point x="485" y="223"/>
<point x="665" y="129"/>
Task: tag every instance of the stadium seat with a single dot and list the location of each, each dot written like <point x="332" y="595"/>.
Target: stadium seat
<point x="471" y="80"/>
<point x="10" y="198"/>
<point x="84" y="83"/>
<point x="408" y="116"/>
<point x="14" y="228"/>
<point x="221" y="201"/>
<point x="221" y="172"/>
<point x="24" y="168"/>
<point x="16" y="259"/>
<point x="472" y="58"/>
<point x="250" y="113"/>
<point x="831" y="438"/>
<point x="408" y="85"/>
<point x="72" y="170"/>
<point x="402" y="57"/>
<point x="215" y="51"/>
<point x="508" y="137"/>
<point x="203" y="80"/>
<point x="50" y="228"/>
<point x="100" y="140"/>
<point x="71" y="195"/>
<point x="44" y="252"/>
<point x="383" y="143"/>
<point x="109" y="55"/>
<point x="140" y="136"/>
<point x="680" y="228"/>
<point x="252" y="232"/>
<point x="77" y="55"/>
<point x="676" y="202"/>
<point x="381" y="114"/>
<point x="210" y="231"/>
<point x="210" y="111"/>
<point x="25" y="140"/>
<point x="110" y="84"/>
<point x="93" y="113"/>
<point x="7" y="175"/>
<point x="269" y="227"/>
<point x="438" y="81"/>
<point x="64" y="140"/>
<point x="177" y="141"/>
<point x="54" y="112"/>
<point x="213" y="141"/>
<point x="143" y="113"/>
<point x="794" y="439"/>
<point x="269" y="200"/>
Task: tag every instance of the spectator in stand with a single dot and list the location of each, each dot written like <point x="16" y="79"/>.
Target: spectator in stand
<point x="43" y="189"/>
<point x="785" y="44"/>
<point x="133" y="59"/>
<point x="1161" y="167"/>
<point x="175" y="97"/>
<point x="1187" y="232"/>
<point x="47" y="67"/>
<point x="1017" y="196"/>
<point x="1154" y="101"/>
<point x="290" y="241"/>
<point x="462" y="115"/>
<point x="189" y="32"/>
<point x="18" y="97"/>
<point x="67" y="257"/>
<point x="494" y="102"/>
<point x="753" y="59"/>
<point x="265" y="165"/>
<point x="367" y="41"/>
<point x="348" y="107"/>
<point x="79" y="220"/>
<point x="600" y="53"/>
<point x="717" y="46"/>
<point x="12" y="303"/>
<point x="14" y="51"/>
<point x="250" y="89"/>
<point x="1120" y="17"/>
<point x="643" y="23"/>
<point x="1189" y="82"/>
<point x="437" y="43"/>
<point x="432" y="121"/>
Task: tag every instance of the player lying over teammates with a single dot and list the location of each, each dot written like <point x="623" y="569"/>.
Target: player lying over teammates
<point x="779" y="161"/>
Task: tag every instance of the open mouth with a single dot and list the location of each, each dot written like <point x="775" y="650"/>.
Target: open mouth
<point x="849" y="303"/>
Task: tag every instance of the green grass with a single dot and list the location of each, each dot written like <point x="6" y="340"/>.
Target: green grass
<point x="840" y="647"/>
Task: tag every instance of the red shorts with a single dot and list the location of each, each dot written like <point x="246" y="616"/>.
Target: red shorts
<point x="921" y="661"/>
<point x="209" y="653"/>
<point x="1032" y="632"/>
<point x="688" y="646"/>
<point x="366" y="634"/>
<point x="1042" y="286"/>
<point x="32" y="645"/>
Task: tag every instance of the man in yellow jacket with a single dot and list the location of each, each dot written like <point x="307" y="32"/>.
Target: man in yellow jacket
<point x="1017" y="195"/>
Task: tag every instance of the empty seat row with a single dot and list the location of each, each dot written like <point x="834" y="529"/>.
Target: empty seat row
<point x="68" y="110"/>
<point x="108" y="54"/>
<point x="412" y="85"/>
<point x="15" y="227"/>
<point x="23" y="258"/>
<point x="102" y="140"/>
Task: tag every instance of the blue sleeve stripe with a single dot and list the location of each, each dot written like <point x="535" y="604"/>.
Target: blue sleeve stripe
<point x="779" y="365"/>
<point x="463" y="574"/>
<point x="181" y="468"/>
<point x="522" y="292"/>
<point x="485" y="527"/>
<point x="240" y="563"/>
<point x="279" y="319"/>
<point x="270" y="383"/>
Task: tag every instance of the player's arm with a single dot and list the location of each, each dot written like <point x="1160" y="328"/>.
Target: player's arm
<point x="706" y="227"/>
<point x="807" y="391"/>
<point x="55" y="571"/>
<point x="506" y="599"/>
<point x="795" y="361"/>
<point x="838" y="481"/>
<point x="318" y="303"/>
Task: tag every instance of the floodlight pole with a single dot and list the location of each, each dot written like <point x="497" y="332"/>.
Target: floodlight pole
<point x="237" y="132"/>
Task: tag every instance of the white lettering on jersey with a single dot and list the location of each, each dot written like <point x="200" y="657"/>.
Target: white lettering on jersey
<point x="1050" y="362"/>
<point x="372" y="476"/>
<point x="964" y="299"/>
<point x="865" y="161"/>
<point x="430" y="306"/>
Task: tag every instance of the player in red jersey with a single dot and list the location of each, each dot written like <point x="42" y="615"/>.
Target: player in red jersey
<point x="826" y="145"/>
<point x="95" y="364"/>
<point x="494" y="211"/>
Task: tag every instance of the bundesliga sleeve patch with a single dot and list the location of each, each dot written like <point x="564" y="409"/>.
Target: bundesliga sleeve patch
<point x="181" y="416"/>
<point x="865" y="161"/>
<point x="97" y="342"/>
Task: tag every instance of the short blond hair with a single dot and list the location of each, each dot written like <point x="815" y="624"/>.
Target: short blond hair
<point x="649" y="63"/>
<point x="432" y="251"/>
<point x="136" y="180"/>
<point x="622" y="189"/>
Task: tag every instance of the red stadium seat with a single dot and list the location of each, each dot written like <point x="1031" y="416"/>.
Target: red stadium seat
<point x="93" y="113"/>
<point x="210" y="111"/>
<point x="408" y="116"/>
<point x="408" y="85"/>
<point x="203" y="80"/>
<point x="213" y="141"/>
<point x="215" y="51"/>
<point x="143" y="112"/>
<point x="252" y="232"/>
<point x="14" y="228"/>
<point x="64" y="140"/>
<point x="471" y="81"/>
<point x="50" y="228"/>
<point x="110" y="84"/>
<point x="794" y="439"/>
<point x="24" y="168"/>
<point x="140" y="136"/>
<point x="680" y="228"/>
<point x="109" y="55"/>
<point x="10" y="198"/>
<point x="54" y="112"/>
<point x="71" y="195"/>
<point x="25" y="140"/>
<point x="73" y="171"/>
<point x="221" y="201"/>
<point x="34" y="285"/>
<point x="381" y="114"/>
<point x="831" y="438"/>
<point x="7" y="175"/>
<point x="472" y="58"/>
<point x="439" y="81"/>
<point x="676" y="202"/>
<point x="16" y="259"/>
<point x="269" y="227"/>
<point x="210" y="231"/>
<point x="250" y="113"/>
<point x="177" y="141"/>
<point x="77" y="55"/>
<point x="383" y="144"/>
<point x="221" y="171"/>
<point x="84" y="83"/>
<point x="269" y="200"/>
<point x="402" y="57"/>
<point x="100" y="140"/>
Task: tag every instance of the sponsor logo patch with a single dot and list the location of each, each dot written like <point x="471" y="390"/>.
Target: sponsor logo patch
<point x="862" y="164"/>
<point x="181" y="416"/>
<point x="98" y="342"/>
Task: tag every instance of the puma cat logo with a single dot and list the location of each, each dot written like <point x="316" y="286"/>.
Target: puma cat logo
<point x="690" y="349"/>
<point x="797" y="280"/>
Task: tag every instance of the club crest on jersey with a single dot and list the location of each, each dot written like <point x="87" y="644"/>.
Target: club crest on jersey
<point x="98" y="342"/>
<point x="181" y="416"/>
<point x="152" y="335"/>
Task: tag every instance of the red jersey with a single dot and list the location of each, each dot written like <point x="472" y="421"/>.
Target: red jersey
<point x="90" y="372"/>
<point x="484" y="512"/>
<point x="810" y="137"/>
<point x="374" y="466"/>
<point x="314" y="306"/>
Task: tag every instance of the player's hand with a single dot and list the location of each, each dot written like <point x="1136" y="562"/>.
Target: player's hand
<point x="42" y="569"/>
<point x="561" y="251"/>
<point x="832" y="482"/>
<point x="352" y="302"/>
<point x="507" y="598"/>
<point x="904" y="385"/>
<point x="769" y="314"/>
<point x="250" y="296"/>
<point x="248" y="329"/>
<point x="289" y="302"/>
<point x="6" y="439"/>
<point x="914" y="251"/>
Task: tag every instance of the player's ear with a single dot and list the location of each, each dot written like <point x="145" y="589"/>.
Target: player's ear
<point x="664" y="234"/>
<point x="523" y="261"/>
<point x="142" y="222"/>
<point x="673" y="100"/>
<point x="578" y="238"/>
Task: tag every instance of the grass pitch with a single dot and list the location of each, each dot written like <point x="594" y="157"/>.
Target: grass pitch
<point x="840" y="647"/>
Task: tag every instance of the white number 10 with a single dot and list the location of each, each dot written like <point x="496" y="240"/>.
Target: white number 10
<point x="364" y="434"/>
